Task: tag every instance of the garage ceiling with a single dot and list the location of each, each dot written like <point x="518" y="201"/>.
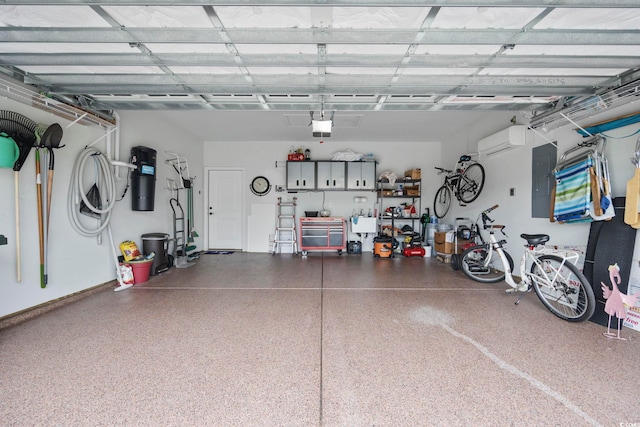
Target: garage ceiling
<point x="333" y="55"/>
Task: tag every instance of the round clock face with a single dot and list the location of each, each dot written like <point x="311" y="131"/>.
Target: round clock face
<point x="260" y="185"/>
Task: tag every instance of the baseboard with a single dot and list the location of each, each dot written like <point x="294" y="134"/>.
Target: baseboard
<point x="32" y="312"/>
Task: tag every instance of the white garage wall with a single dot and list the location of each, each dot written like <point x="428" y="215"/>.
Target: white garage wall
<point x="77" y="263"/>
<point x="513" y="170"/>
<point x="71" y="257"/>
<point x="269" y="159"/>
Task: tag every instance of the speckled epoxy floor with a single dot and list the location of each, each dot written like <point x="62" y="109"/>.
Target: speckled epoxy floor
<point x="327" y="340"/>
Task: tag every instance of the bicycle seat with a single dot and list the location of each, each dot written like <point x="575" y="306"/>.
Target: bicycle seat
<point x="535" y="239"/>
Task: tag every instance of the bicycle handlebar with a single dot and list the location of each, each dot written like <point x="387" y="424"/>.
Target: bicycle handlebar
<point x="491" y="208"/>
<point x="442" y="170"/>
<point x="486" y="219"/>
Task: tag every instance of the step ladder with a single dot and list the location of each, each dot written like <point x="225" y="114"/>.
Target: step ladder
<point x="286" y="233"/>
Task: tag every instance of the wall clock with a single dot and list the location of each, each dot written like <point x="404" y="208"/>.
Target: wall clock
<point x="260" y="186"/>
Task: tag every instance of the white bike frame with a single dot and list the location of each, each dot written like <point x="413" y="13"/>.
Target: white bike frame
<point x="530" y="252"/>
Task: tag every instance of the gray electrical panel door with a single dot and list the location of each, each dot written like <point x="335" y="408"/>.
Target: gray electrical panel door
<point x="543" y="162"/>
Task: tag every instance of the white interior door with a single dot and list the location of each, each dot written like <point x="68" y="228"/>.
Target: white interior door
<point x="224" y="209"/>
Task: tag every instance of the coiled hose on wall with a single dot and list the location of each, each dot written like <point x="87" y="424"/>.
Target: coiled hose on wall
<point x="106" y="184"/>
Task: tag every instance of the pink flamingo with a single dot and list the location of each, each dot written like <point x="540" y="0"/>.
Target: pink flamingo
<point x="616" y="300"/>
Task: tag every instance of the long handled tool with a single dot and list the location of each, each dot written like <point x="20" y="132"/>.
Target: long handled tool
<point x="22" y="130"/>
<point x="43" y="283"/>
<point x="51" y="140"/>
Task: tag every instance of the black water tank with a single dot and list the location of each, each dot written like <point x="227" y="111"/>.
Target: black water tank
<point x="143" y="178"/>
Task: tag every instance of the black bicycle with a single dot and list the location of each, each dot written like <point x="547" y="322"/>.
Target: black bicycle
<point x="465" y="183"/>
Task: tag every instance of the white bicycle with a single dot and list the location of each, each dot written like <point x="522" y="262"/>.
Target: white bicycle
<point x="559" y="284"/>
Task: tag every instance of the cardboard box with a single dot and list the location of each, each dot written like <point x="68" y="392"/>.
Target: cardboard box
<point x="442" y="242"/>
<point x="413" y="174"/>
<point x="412" y="191"/>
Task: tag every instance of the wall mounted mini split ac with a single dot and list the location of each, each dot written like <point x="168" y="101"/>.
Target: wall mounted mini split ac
<point x="505" y="140"/>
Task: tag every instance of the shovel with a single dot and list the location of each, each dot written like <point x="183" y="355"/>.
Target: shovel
<point x="43" y="280"/>
<point x="50" y="140"/>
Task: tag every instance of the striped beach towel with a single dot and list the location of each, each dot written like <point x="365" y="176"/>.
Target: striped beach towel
<point x="573" y="192"/>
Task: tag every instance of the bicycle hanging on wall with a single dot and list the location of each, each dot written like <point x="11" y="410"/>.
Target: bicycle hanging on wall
<point x="558" y="283"/>
<point x="465" y="183"/>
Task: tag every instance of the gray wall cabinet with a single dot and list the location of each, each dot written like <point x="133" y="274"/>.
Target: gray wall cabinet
<point x="301" y="175"/>
<point x="331" y="175"/>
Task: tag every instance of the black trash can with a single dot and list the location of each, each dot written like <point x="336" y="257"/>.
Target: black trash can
<point x="158" y="243"/>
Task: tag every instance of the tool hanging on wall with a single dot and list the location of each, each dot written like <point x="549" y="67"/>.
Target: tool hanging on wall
<point x="99" y="201"/>
<point x="51" y="140"/>
<point x="28" y="134"/>
<point x="43" y="282"/>
<point x="22" y="130"/>
<point x="47" y="137"/>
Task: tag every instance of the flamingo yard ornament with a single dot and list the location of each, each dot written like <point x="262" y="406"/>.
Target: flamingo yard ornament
<point x="616" y="301"/>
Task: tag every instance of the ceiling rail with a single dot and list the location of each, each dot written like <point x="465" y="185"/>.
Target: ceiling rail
<point x="587" y="107"/>
<point x="28" y="96"/>
<point x="343" y="3"/>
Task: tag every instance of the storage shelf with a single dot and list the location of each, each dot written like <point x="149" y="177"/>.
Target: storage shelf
<point x="400" y="181"/>
<point x="384" y="201"/>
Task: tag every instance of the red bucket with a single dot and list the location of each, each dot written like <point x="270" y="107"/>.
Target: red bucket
<point x="141" y="270"/>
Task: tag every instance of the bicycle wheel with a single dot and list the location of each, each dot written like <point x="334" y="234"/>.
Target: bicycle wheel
<point x="475" y="265"/>
<point x="471" y="183"/>
<point x="442" y="201"/>
<point x="562" y="288"/>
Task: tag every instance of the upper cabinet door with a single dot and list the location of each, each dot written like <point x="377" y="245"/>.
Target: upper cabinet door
<point x="301" y="175"/>
<point x="361" y="175"/>
<point x="331" y="175"/>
